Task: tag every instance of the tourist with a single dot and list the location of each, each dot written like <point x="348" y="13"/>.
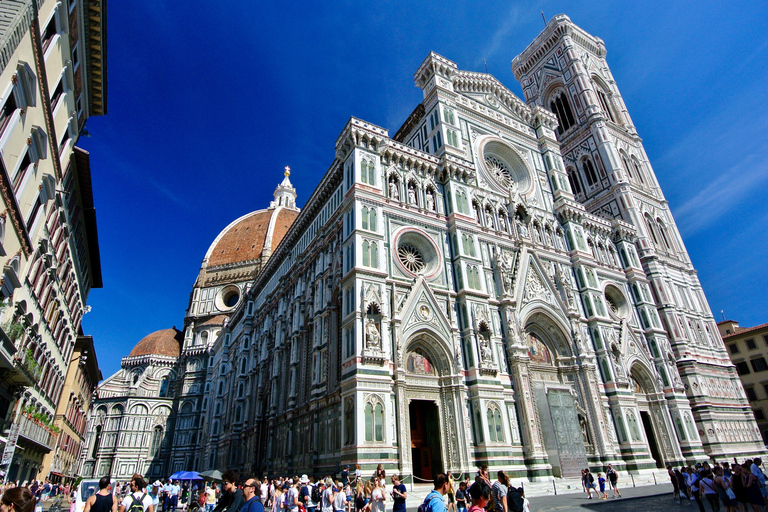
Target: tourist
<point x="601" y="482"/>
<point x="305" y="493"/>
<point x="399" y="494"/>
<point x="755" y="470"/>
<point x="480" y="493"/>
<point x="17" y="499"/>
<point x="329" y="495"/>
<point x="613" y="477"/>
<point x="345" y="476"/>
<point x="103" y="500"/>
<point x="379" y="474"/>
<point x="138" y="500"/>
<point x="340" y="498"/>
<point x="673" y="479"/>
<point x="231" y="499"/>
<point x="377" y="497"/>
<point x="461" y="497"/>
<point x="434" y="499"/>
<point x="590" y="483"/>
<point x="752" y="486"/>
<point x="358" y="473"/>
<point x="451" y="492"/>
<point x="360" y="501"/>
<point x="499" y="492"/>
<point x="251" y="495"/>
<point x="154" y="493"/>
<point x="210" y="497"/>
<point x="291" y="495"/>
<point x="583" y="480"/>
<point x="723" y="486"/>
<point x="708" y="490"/>
<point x="695" y="486"/>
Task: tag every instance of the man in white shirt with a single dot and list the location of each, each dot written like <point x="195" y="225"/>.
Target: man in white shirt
<point x="175" y="488"/>
<point x="138" y="500"/>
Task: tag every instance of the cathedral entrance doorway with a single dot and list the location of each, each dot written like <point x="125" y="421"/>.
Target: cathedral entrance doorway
<point x="425" y="439"/>
<point x="555" y="399"/>
<point x="652" y="445"/>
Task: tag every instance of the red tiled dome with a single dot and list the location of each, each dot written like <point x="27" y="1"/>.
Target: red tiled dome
<point x="245" y="239"/>
<point x="166" y="342"/>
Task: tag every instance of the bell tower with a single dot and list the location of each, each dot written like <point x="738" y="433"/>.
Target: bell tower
<point x="565" y="71"/>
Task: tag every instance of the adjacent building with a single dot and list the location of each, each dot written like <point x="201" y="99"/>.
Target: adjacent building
<point x="500" y="282"/>
<point x="748" y="348"/>
<point x="52" y="79"/>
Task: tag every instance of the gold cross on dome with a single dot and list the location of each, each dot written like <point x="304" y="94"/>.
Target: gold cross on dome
<point x="287" y="171"/>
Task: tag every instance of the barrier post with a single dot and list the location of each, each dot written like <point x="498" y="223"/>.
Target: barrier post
<point x="633" y="480"/>
<point x="554" y="486"/>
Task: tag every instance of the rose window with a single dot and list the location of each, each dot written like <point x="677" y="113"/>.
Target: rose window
<point x="410" y="257"/>
<point x="499" y="170"/>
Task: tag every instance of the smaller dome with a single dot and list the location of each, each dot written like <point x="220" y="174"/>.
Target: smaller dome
<point x="166" y="342"/>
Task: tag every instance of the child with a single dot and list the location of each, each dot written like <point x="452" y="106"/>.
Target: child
<point x="461" y="497"/>
<point x="601" y="481"/>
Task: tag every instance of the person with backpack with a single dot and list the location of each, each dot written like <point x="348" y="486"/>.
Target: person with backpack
<point x="138" y="500"/>
<point x="434" y="500"/>
<point x="306" y="493"/>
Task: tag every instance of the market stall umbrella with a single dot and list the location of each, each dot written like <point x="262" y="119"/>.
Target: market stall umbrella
<point x="212" y="474"/>
<point x="186" y="475"/>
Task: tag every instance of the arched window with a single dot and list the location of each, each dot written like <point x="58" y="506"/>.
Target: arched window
<point x="163" y="387"/>
<point x="96" y="442"/>
<point x="238" y="414"/>
<point x="604" y="101"/>
<point x="562" y="109"/>
<point x="365" y="217"/>
<point x="589" y="171"/>
<point x="244" y="365"/>
<point x="349" y="422"/>
<point x="374" y="255"/>
<point x="663" y="233"/>
<point x="157" y="439"/>
<point x="374" y="422"/>
<point x="372" y="219"/>
<point x="638" y="171"/>
<point x="495" y="430"/>
<point x="573" y="179"/>
<point x="367" y="172"/>
<point x="651" y="231"/>
<point x="204" y="337"/>
<point x="221" y="387"/>
<point x="366" y="254"/>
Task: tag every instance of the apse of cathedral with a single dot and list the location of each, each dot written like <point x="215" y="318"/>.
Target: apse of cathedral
<point x="500" y="282"/>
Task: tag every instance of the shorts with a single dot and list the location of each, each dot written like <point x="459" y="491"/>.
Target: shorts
<point x="450" y="496"/>
<point x="763" y="491"/>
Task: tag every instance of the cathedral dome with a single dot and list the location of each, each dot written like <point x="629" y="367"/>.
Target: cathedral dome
<point x="166" y="342"/>
<point x="256" y="234"/>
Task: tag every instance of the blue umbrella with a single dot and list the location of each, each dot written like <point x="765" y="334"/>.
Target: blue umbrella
<point x="186" y="475"/>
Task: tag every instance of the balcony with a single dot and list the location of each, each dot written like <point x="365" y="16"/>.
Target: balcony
<point x="35" y="434"/>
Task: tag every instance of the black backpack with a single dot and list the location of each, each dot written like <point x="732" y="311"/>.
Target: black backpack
<point x="515" y="499"/>
<point x="138" y="504"/>
<point x="316" y="495"/>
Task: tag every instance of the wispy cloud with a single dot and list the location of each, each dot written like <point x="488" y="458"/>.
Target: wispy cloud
<point x="501" y="35"/>
<point x="724" y="194"/>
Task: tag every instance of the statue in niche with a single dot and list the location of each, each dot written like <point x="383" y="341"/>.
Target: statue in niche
<point x="430" y="200"/>
<point x="512" y="189"/>
<point x="485" y="350"/>
<point x="372" y="335"/>
<point x="565" y="284"/>
<point x="616" y="354"/>
<point x="536" y="235"/>
<point x="504" y="264"/>
<point x="394" y="193"/>
<point x="522" y="229"/>
<point x="547" y="237"/>
<point x="583" y="427"/>
<point x="502" y="223"/>
<point x="411" y="194"/>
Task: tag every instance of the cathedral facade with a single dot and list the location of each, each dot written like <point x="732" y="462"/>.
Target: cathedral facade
<point x="500" y="282"/>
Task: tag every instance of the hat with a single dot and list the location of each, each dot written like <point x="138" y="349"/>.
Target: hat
<point x="157" y="483"/>
<point x="304" y="479"/>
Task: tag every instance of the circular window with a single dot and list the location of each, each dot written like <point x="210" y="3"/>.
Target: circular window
<point x="505" y="167"/>
<point x="410" y="257"/>
<point x="616" y="301"/>
<point x="228" y="298"/>
<point x="416" y="253"/>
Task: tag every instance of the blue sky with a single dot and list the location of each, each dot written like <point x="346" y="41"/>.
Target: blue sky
<point x="208" y="101"/>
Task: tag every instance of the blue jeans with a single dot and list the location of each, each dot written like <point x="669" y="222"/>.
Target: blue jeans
<point x="209" y="507"/>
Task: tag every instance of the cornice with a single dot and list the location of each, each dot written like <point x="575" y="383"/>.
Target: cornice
<point x="471" y="82"/>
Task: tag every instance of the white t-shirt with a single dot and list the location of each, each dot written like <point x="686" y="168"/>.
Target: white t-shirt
<point x="264" y="491"/>
<point x="146" y="501"/>
<point x="210" y="496"/>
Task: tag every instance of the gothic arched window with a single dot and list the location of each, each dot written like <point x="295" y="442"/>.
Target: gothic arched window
<point x="638" y="171"/>
<point x="604" y="101"/>
<point x="495" y="429"/>
<point x="562" y="109"/>
<point x="157" y="439"/>
<point x="163" y="387"/>
<point x="374" y="422"/>
<point x="589" y="171"/>
<point x="573" y="179"/>
<point x="349" y="422"/>
<point x="96" y="442"/>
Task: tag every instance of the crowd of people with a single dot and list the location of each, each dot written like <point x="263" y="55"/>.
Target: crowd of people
<point x="739" y="487"/>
